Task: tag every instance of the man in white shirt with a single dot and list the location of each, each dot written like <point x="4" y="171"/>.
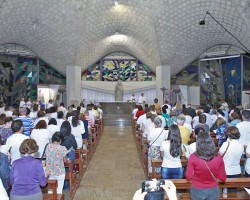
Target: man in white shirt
<point x="142" y="99"/>
<point x="49" y="104"/>
<point x="62" y="108"/>
<point x="82" y="108"/>
<point x="244" y="128"/>
<point x="142" y="120"/>
<point x="132" y="98"/>
<point x="16" y="139"/>
<point x="92" y="114"/>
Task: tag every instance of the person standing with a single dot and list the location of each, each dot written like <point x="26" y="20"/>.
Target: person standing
<point x="26" y="120"/>
<point x="191" y="111"/>
<point x="142" y="99"/>
<point x="16" y="139"/>
<point x="244" y="128"/>
<point x="171" y="151"/>
<point x="27" y="174"/>
<point x="205" y="168"/>
<point x="132" y="98"/>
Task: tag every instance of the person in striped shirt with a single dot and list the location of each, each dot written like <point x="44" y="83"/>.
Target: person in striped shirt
<point x="26" y="120"/>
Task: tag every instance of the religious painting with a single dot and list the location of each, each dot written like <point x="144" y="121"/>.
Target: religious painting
<point x="26" y="79"/>
<point x="188" y="76"/>
<point x="246" y="73"/>
<point x="93" y="73"/>
<point x="127" y="70"/>
<point x="48" y="75"/>
<point x="231" y="70"/>
<point x="144" y="73"/>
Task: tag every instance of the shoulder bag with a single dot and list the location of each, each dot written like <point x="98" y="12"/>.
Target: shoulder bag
<point x="156" y="139"/>
<point x="211" y="172"/>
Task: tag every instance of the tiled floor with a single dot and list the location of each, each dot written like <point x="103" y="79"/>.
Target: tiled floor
<point x="115" y="171"/>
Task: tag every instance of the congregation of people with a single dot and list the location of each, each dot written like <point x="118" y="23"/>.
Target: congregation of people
<point x="33" y="132"/>
<point x="176" y="132"/>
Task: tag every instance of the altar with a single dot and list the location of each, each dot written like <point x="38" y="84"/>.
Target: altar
<point x="117" y="109"/>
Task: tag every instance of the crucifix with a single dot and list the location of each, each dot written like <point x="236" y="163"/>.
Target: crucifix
<point x="163" y="89"/>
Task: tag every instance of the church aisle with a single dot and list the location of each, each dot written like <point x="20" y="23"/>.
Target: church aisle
<point x="115" y="171"/>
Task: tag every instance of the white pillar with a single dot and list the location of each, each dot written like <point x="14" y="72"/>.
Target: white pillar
<point x="73" y="80"/>
<point x="163" y="78"/>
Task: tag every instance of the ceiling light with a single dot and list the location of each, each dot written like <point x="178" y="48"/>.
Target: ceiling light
<point x="116" y="33"/>
<point x="116" y="3"/>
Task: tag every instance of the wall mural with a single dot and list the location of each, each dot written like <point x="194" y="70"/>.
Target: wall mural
<point x="26" y="79"/>
<point x="48" y="75"/>
<point x="188" y="76"/>
<point x="246" y="73"/>
<point x="7" y="74"/>
<point x="93" y="73"/>
<point x="112" y="69"/>
<point x="144" y="73"/>
<point x="231" y="71"/>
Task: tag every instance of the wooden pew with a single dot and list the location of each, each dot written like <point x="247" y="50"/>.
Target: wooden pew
<point x="52" y="186"/>
<point x="230" y="183"/>
<point x="184" y="162"/>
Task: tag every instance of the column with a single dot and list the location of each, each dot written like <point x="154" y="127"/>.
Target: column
<point x="73" y="81"/>
<point x="163" y="78"/>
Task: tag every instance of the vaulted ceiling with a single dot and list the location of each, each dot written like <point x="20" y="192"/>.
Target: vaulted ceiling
<point x="158" y="32"/>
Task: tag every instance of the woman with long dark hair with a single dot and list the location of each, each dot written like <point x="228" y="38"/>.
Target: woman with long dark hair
<point x="205" y="168"/>
<point x="171" y="151"/>
<point x="69" y="140"/>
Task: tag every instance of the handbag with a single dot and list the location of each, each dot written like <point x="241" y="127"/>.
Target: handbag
<point x="155" y="139"/>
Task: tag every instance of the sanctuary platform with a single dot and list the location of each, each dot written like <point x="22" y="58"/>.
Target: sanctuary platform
<point x="117" y="109"/>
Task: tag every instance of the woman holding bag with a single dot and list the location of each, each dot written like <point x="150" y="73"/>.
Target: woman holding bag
<point x="205" y="168"/>
<point x="155" y="137"/>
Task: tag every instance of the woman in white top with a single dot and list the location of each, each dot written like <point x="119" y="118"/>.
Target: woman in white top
<point x="42" y="137"/>
<point x="41" y="116"/>
<point x="53" y="127"/>
<point x="155" y="137"/>
<point x="77" y="129"/>
<point x="171" y="151"/>
<point x="232" y="150"/>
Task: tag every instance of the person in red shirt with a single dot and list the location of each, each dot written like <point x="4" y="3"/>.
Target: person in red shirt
<point x="139" y="112"/>
<point x="205" y="168"/>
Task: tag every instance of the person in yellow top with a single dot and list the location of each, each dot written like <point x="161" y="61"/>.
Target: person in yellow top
<point x="157" y="107"/>
<point x="185" y="133"/>
<point x="94" y="109"/>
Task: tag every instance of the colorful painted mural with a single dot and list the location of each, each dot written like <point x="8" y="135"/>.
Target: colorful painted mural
<point x="127" y="70"/>
<point x="7" y="74"/>
<point x="231" y="72"/>
<point x="26" y="79"/>
<point x="118" y="66"/>
<point x="246" y="73"/>
<point x="188" y="76"/>
<point x="144" y="73"/>
<point x="93" y="73"/>
<point x="48" y="75"/>
<point x="110" y="70"/>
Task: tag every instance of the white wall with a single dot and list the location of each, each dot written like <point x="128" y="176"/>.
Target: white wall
<point x="101" y="91"/>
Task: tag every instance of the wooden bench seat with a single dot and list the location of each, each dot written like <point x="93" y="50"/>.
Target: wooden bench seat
<point x="52" y="185"/>
<point x="230" y="183"/>
<point x="184" y="162"/>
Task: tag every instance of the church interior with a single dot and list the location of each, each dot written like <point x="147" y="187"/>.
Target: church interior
<point x="103" y="52"/>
